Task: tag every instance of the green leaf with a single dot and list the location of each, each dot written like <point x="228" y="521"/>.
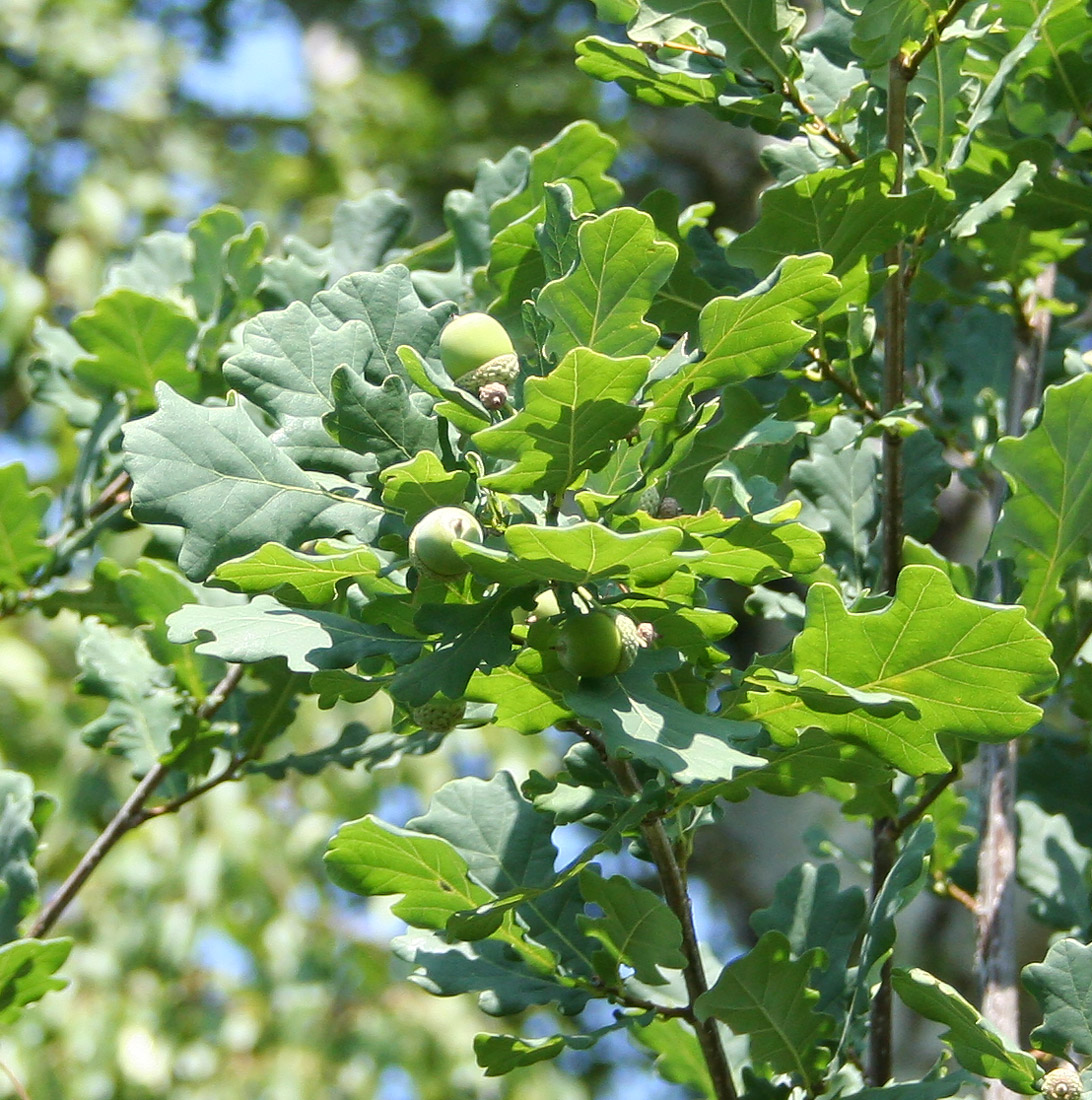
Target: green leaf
<point x="884" y="26"/>
<point x="507" y="845"/>
<point x="602" y="302"/>
<point x="812" y="912"/>
<point x="568" y="424"/>
<point x="753" y="334"/>
<point x="370" y="857"/>
<point x="308" y="640"/>
<point x="213" y="473"/>
<point x="765" y="995"/>
<point x="505" y="984"/>
<point x="848" y="213"/>
<point x="471" y="636"/>
<point x="1046" y="525"/>
<point x="210" y="234"/>
<point x="500" y="1054"/>
<point x="1053" y="867"/>
<point x="315" y="578"/>
<point x="18" y="845"/>
<point x="363" y="230"/>
<point x="963" y="665"/>
<point x="383" y="421"/>
<point x="754" y="36"/>
<point x="637" y="928"/>
<point x="416" y="487"/>
<point x="680" y="1059"/>
<point x="674" y="81"/>
<point x="580" y="554"/>
<point x="1062" y="984"/>
<point x="143" y="709"/>
<point x="22" y="550"/>
<point x="637" y="720"/>
<point x="905" y="882"/>
<point x="288" y="359"/>
<point x="750" y="550"/>
<point x="504" y="840"/>
<point x="849" y="773"/>
<point x="975" y="1044"/>
<point x="135" y="342"/>
<point x="520" y="692"/>
<point x="838" y="482"/>
<point x="579" y="155"/>
<point x="26" y="973"/>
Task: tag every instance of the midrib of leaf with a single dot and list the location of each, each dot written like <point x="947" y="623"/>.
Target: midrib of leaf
<point x="776" y="1028"/>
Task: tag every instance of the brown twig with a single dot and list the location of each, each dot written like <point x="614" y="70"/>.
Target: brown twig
<point x="116" y="492"/>
<point x="911" y="62"/>
<point x="673" y="882"/>
<point x="819" y="124"/>
<point x="960" y="895"/>
<point x="916" y="812"/>
<point x="129" y="816"/>
<point x="850" y="389"/>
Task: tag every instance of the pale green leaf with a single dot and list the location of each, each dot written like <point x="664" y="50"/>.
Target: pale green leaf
<point x="26" y="973"/>
<point x="1062" y="984"/>
<point x="637" y="928"/>
<point x="212" y="472"/>
<point x="136" y="341"/>
<point x="309" y="640"/>
<point x="569" y="421"/>
<point x="22" y="550"/>
<point x="601" y="304"/>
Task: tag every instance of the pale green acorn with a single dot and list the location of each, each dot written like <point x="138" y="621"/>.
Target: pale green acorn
<point x="476" y="351"/>
<point x="430" y="542"/>
<point x="601" y="643"/>
<point x="439" y="714"/>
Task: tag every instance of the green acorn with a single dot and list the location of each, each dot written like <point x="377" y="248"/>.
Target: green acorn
<point x="430" y="542"/>
<point x="601" y="643"/>
<point x="476" y="352"/>
<point x="439" y="714"/>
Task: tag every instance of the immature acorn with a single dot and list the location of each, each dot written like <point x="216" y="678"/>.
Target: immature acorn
<point x="649" y="500"/>
<point x="601" y="643"/>
<point x="1063" y="1083"/>
<point x="439" y="714"/>
<point x="476" y="351"/>
<point x="430" y="542"/>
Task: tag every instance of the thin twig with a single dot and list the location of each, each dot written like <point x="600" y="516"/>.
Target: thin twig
<point x="819" y="124"/>
<point x="884" y="829"/>
<point x="850" y="389"/>
<point x="116" y="492"/>
<point x="912" y="62"/>
<point x="673" y="882"/>
<point x="127" y="817"/>
<point x="960" y="895"/>
<point x="15" y="1082"/>
<point x="916" y="812"/>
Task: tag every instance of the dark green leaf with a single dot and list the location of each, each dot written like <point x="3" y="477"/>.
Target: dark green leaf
<point x="765" y="995"/>
<point x="974" y="1042"/>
